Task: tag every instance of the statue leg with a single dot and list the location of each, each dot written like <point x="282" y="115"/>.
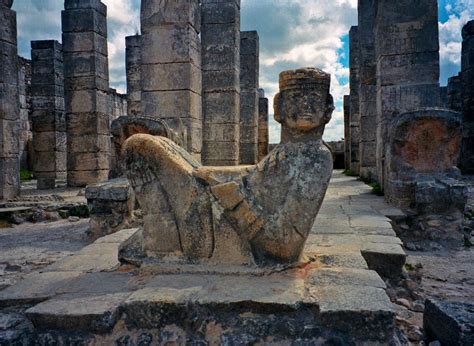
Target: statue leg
<point x="161" y="174"/>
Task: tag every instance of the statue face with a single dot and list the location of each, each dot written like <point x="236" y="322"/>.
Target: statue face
<point x="303" y="110"/>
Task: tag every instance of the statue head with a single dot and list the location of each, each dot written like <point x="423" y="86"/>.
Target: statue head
<point x="304" y="105"/>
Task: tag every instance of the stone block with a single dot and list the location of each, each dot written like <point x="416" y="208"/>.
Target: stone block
<point x="450" y="323"/>
<point x="8" y="63"/>
<point x="47" y="103"/>
<point x="156" y="13"/>
<point x="46" y="54"/>
<point x="44" y="141"/>
<point x="221" y="108"/>
<point x="221" y="44"/>
<point x="368" y="128"/>
<point x="393" y="100"/>
<point x="214" y="151"/>
<point x="8" y="31"/>
<point x="249" y="108"/>
<point x="84" y="20"/>
<point x="419" y="68"/>
<point x="84" y="178"/>
<point x="86" y="82"/>
<point x="9" y="138"/>
<point x="248" y="153"/>
<point x="87" y="101"/>
<point x="47" y="90"/>
<point x="9" y="110"/>
<point x="171" y="77"/>
<point x="221" y="132"/>
<point x="248" y="134"/>
<point x="249" y="43"/>
<point x="221" y="12"/>
<point x="45" y="120"/>
<point x="48" y="79"/>
<point x="85" y="42"/>
<point x="90" y="143"/>
<point x="9" y="177"/>
<point x="43" y="162"/>
<point x="82" y="124"/>
<point x="386" y="259"/>
<point x="96" y="5"/>
<point x="171" y="104"/>
<point x="45" y="182"/>
<point x="85" y="64"/>
<point x="88" y="161"/>
<point x="182" y="42"/>
<point x="249" y="72"/>
<point x="221" y="80"/>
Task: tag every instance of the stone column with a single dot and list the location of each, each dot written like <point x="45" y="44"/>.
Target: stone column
<point x="133" y="66"/>
<point x="455" y="93"/>
<point x="48" y="116"/>
<point x="171" y="62"/>
<point x="221" y="81"/>
<point x="9" y="104"/>
<point x="367" y="90"/>
<point x="354" y="82"/>
<point x="249" y="71"/>
<point x="407" y="52"/>
<point x="467" y="77"/>
<point x="86" y="81"/>
<point x="24" y="93"/>
<point x="263" y="134"/>
<point x="347" y="132"/>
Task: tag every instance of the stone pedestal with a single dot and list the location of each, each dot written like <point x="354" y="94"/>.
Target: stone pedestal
<point x="249" y="74"/>
<point x="220" y="38"/>
<point x="86" y="81"/>
<point x="133" y="67"/>
<point x="467" y="77"/>
<point x="407" y="52"/>
<point x="263" y="131"/>
<point x="367" y="90"/>
<point x="171" y="62"/>
<point x="9" y="105"/>
<point x="111" y="206"/>
<point x="354" y="82"/>
<point x="347" y="132"/>
<point x="48" y="117"/>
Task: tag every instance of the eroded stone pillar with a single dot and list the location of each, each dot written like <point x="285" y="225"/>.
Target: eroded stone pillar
<point x="221" y="81"/>
<point x="171" y="62"/>
<point x="455" y="93"/>
<point x="354" y="82"/>
<point x="263" y="130"/>
<point x="367" y="90"/>
<point x="9" y="104"/>
<point x="86" y="81"/>
<point x="467" y="77"/>
<point x="407" y="52"/>
<point x="133" y="67"/>
<point x="347" y="132"/>
<point x="249" y="70"/>
<point x="48" y="116"/>
<point x="24" y="93"/>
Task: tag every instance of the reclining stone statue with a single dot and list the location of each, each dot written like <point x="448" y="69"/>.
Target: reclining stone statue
<point x="247" y="215"/>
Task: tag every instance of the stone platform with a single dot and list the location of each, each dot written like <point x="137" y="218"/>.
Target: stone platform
<point x="334" y="296"/>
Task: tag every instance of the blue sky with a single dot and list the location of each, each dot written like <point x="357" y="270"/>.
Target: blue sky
<point x="292" y="33"/>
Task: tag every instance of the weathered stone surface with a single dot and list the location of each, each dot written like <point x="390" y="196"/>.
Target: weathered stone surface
<point x="111" y="206"/>
<point x="9" y="105"/>
<point x="347" y="132"/>
<point x="171" y="60"/>
<point x="133" y="63"/>
<point x="450" y="323"/>
<point x="263" y="130"/>
<point x="265" y="226"/>
<point x="221" y="87"/>
<point x="249" y="72"/>
<point x="49" y="118"/>
<point x="367" y="89"/>
<point x="467" y="81"/>
<point x="86" y="89"/>
<point x="407" y="53"/>
<point x="354" y="81"/>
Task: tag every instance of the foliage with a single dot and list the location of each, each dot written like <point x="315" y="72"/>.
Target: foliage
<point x="26" y="175"/>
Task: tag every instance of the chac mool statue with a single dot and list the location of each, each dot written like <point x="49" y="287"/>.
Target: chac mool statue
<point x="253" y="215"/>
